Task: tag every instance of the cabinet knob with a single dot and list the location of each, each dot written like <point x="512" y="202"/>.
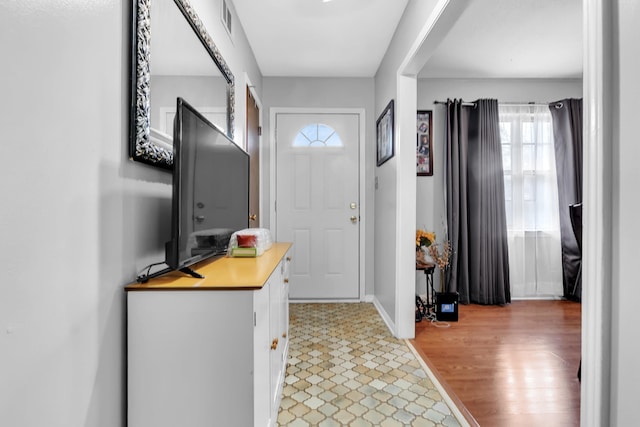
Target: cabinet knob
<point x="284" y="335"/>
<point x="288" y="258"/>
<point x="274" y="344"/>
<point x="286" y="280"/>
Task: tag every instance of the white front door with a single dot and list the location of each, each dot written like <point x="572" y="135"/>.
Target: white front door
<point x="317" y="202"/>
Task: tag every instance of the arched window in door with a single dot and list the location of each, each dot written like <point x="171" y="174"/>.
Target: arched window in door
<point x="317" y="135"/>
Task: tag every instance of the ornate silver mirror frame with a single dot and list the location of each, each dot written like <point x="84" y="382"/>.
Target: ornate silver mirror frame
<point x="142" y="146"/>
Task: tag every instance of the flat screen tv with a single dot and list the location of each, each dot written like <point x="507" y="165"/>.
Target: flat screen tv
<point x="210" y="198"/>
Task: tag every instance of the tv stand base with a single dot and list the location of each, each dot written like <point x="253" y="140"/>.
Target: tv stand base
<point x="190" y="272"/>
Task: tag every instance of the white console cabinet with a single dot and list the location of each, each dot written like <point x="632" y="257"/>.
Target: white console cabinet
<point x="212" y="351"/>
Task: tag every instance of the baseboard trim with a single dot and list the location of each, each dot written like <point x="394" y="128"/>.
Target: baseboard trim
<point x="324" y="301"/>
<point x="385" y="317"/>
<point x="538" y="298"/>
<point x="366" y="298"/>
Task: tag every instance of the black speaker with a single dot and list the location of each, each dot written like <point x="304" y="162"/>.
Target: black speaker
<point x="447" y="306"/>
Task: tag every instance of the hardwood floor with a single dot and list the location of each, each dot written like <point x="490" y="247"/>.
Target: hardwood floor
<point x="510" y="366"/>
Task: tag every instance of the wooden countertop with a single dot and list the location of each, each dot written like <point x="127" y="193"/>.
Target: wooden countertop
<point x="220" y="274"/>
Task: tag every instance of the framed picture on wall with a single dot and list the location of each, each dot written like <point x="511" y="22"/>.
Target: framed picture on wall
<point x="384" y="134"/>
<point x="424" y="144"/>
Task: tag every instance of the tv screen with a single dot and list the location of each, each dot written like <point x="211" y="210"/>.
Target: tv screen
<point x="210" y="190"/>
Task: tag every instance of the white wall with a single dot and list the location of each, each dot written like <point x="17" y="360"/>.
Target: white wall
<point x="287" y="92"/>
<point x="625" y="373"/>
<point x="390" y="277"/>
<point x="430" y="209"/>
<point x="78" y="219"/>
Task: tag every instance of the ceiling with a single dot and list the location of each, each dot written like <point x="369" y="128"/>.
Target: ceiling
<point x="316" y="38"/>
<point x="512" y="39"/>
<point x="348" y="38"/>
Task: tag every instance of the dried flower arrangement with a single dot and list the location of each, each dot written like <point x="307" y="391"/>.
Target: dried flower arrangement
<point x="441" y="259"/>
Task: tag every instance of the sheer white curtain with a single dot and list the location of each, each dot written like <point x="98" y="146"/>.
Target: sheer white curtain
<point x="531" y="201"/>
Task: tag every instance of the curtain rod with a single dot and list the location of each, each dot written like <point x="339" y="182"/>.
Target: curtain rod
<point x="464" y="104"/>
<point x="472" y="104"/>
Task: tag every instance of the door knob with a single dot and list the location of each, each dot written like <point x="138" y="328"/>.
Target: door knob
<point x="253" y="217"/>
<point x="354" y="219"/>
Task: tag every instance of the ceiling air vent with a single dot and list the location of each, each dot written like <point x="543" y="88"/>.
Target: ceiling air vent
<point x="225" y="15"/>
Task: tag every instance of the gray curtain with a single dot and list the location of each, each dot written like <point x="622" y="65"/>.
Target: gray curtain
<point x="476" y="221"/>
<point x="567" y="134"/>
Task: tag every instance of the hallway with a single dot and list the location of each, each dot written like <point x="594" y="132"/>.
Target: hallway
<point x="345" y="368"/>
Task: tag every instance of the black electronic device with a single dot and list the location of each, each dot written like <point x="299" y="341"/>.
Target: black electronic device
<point x="447" y="306"/>
<point x="210" y="198"/>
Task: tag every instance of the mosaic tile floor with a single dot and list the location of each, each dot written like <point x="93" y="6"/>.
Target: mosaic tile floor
<point x="346" y="369"/>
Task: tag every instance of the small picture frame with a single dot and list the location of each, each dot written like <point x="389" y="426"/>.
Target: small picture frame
<point x="424" y="143"/>
<point x="384" y="135"/>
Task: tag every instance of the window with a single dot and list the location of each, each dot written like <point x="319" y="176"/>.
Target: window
<point x="531" y="200"/>
<point x="317" y="135"/>
<point x="528" y="159"/>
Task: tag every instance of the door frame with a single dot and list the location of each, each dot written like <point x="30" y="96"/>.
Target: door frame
<point x="362" y="239"/>
<point x="598" y="90"/>
<point x="256" y="98"/>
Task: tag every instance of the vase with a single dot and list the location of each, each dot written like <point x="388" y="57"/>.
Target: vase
<point x="422" y="256"/>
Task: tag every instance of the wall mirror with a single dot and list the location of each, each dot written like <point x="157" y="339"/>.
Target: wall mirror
<point x="173" y="55"/>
